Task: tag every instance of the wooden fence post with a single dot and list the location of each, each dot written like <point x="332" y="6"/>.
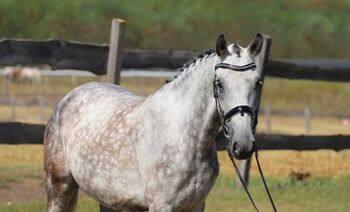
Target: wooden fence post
<point x="73" y="80"/>
<point x="267" y="113"/>
<point x="41" y="103"/>
<point x="13" y="107"/>
<point x="307" y="115"/>
<point x="4" y="87"/>
<point x="261" y="62"/>
<point x="114" y="64"/>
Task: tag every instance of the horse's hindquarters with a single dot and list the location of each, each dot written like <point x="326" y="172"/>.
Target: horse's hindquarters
<point x="96" y="145"/>
<point x="62" y="190"/>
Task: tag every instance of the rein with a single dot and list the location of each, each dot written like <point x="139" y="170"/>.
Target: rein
<point x="225" y="117"/>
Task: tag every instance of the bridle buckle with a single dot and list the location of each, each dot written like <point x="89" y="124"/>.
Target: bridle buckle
<point x="240" y="111"/>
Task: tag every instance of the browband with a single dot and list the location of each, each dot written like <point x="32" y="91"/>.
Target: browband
<point x="234" y="67"/>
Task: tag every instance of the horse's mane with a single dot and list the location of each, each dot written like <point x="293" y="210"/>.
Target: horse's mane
<point x="191" y="62"/>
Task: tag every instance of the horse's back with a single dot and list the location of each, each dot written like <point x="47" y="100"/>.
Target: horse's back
<point x="94" y="125"/>
<point x="94" y="104"/>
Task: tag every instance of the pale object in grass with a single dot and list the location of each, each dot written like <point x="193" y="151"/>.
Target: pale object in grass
<point x="20" y="74"/>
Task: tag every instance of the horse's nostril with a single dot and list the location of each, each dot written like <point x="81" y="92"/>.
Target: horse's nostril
<point x="234" y="149"/>
<point x="242" y="150"/>
<point x="234" y="146"/>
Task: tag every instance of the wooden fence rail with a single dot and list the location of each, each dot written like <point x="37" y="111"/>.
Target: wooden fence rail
<point x="21" y="133"/>
<point x="60" y="54"/>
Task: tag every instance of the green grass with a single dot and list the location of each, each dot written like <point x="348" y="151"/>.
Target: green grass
<point x="85" y="204"/>
<point x="317" y="194"/>
<point x="302" y="28"/>
<point x="16" y="172"/>
<point x="320" y="192"/>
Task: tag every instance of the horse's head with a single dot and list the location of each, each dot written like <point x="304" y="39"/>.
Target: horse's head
<point x="236" y="86"/>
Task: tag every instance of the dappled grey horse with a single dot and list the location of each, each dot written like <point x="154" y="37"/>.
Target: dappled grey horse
<point x="158" y="153"/>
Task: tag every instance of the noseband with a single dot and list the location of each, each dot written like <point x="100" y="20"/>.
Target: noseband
<point x="240" y="109"/>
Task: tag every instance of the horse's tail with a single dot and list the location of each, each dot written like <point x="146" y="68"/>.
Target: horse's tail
<point x="52" y="128"/>
<point x="62" y="190"/>
<point x="52" y="141"/>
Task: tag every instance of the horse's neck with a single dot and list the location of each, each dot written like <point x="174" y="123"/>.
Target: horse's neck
<point x="189" y="102"/>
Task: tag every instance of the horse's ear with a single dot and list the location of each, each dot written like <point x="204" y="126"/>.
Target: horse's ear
<point x="221" y="45"/>
<point x="256" y="44"/>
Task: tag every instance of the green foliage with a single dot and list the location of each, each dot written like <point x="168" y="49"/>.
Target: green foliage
<point x="302" y="28"/>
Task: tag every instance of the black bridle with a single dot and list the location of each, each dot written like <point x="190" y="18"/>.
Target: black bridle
<point x="240" y="109"/>
<point x="226" y="117"/>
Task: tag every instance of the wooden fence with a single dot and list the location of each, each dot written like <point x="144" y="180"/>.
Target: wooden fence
<point x="83" y="56"/>
<point x="108" y="60"/>
<point x="22" y="133"/>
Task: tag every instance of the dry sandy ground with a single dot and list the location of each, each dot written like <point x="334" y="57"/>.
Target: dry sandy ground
<point x="26" y="190"/>
<point x="281" y="164"/>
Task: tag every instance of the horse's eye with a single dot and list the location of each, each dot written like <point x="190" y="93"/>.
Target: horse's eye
<point x="258" y="83"/>
<point x="218" y="84"/>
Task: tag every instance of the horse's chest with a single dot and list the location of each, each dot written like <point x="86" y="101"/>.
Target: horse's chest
<point x="199" y="181"/>
<point x="184" y="183"/>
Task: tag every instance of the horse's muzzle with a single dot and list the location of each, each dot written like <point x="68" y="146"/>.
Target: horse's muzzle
<point x="242" y="150"/>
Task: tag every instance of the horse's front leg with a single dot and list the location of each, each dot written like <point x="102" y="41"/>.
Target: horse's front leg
<point x="161" y="208"/>
<point x="200" y="207"/>
<point x="168" y="208"/>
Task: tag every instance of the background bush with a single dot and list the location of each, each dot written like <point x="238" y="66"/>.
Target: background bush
<point x="300" y="28"/>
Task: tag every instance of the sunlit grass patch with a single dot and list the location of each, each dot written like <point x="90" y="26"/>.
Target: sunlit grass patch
<point x="18" y="162"/>
<point x="318" y="194"/>
<point x="281" y="164"/>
